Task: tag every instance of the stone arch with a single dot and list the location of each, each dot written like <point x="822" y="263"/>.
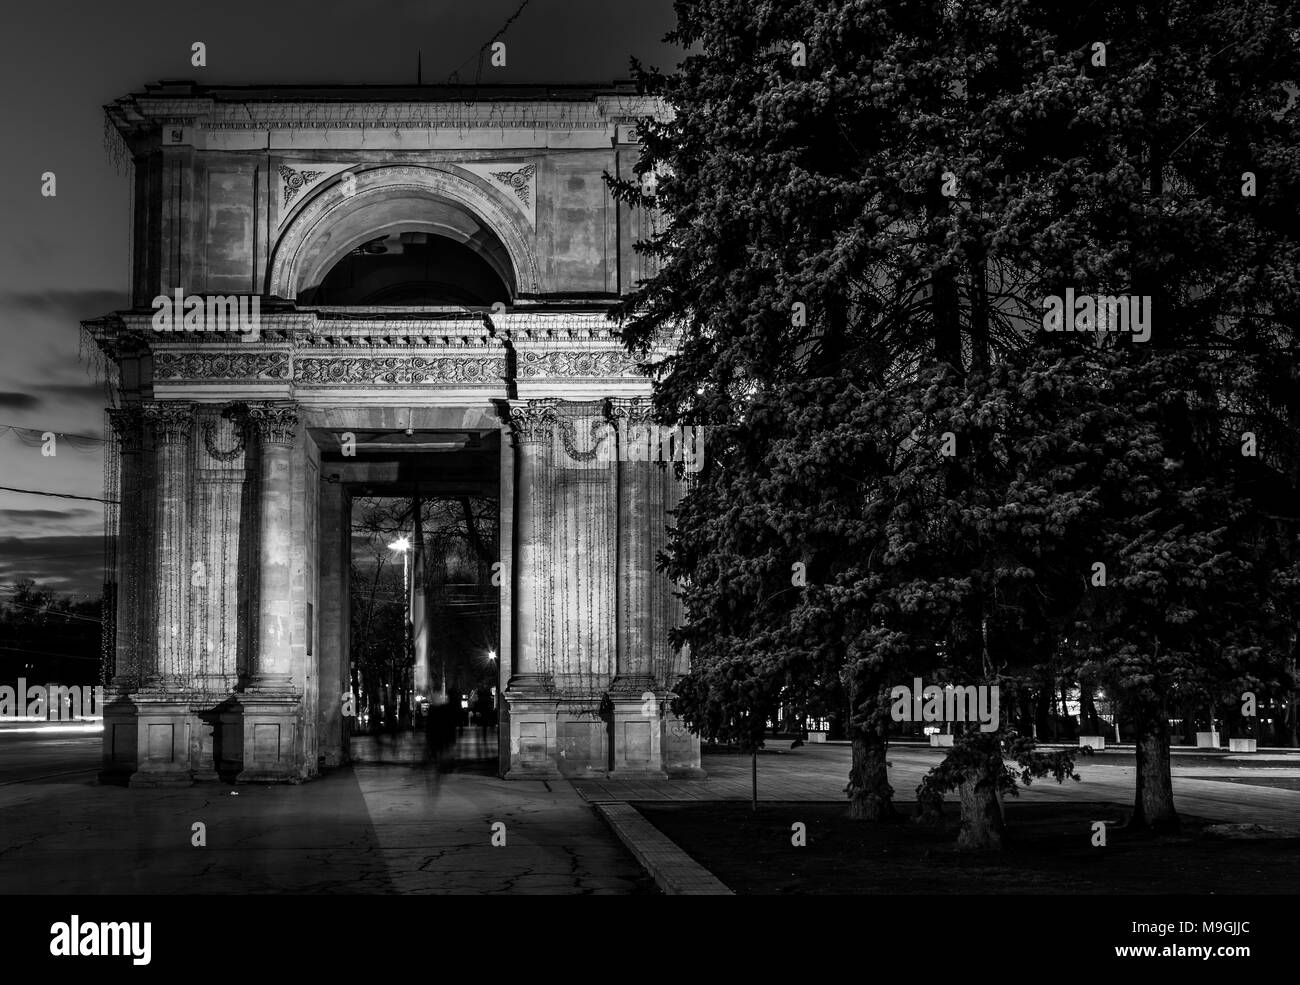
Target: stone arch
<point x="442" y="200"/>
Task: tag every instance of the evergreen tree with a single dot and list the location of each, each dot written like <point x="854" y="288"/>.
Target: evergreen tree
<point x="866" y="203"/>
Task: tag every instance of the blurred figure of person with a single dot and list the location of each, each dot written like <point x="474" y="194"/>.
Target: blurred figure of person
<point x="440" y="734"/>
<point x="483" y="706"/>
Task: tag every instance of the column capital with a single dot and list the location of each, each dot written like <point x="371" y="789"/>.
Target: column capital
<point x="637" y="410"/>
<point x="172" y="419"/>
<point x="128" y="426"/>
<point x="532" y="421"/>
<point x="275" y="423"/>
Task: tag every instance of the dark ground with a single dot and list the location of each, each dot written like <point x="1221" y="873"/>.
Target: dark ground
<point x="1048" y="851"/>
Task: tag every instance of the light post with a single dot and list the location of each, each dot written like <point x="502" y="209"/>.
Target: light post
<point x="403" y="547"/>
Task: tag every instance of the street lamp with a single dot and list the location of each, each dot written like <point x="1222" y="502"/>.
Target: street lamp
<point x="403" y="547"/>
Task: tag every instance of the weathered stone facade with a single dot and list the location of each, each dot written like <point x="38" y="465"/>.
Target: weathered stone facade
<point x="232" y="543"/>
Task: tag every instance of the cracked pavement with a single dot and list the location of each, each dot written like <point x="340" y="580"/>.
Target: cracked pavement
<point x="362" y="829"/>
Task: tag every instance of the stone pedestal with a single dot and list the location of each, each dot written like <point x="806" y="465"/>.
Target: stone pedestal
<point x="1241" y="745"/>
<point x="269" y="726"/>
<point x="215" y="739"/>
<point x="162" y="741"/>
<point x="534" y="745"/>
<point x="1207" y="740"/>
<point x="121" y="738"/>
<point x="1097" y="742"/>
<point x="681" y="749"/>
<point x="637" y="738"/>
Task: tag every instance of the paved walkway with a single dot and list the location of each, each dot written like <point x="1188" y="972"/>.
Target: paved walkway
<point x="675" y="872"/>
<point x="366" y="829"/>
<point x="820" y="772"/>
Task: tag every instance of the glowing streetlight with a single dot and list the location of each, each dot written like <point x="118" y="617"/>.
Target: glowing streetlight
<point x="401" y="545"/>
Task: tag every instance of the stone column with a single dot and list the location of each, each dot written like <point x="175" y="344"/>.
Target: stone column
<point x="534" y="745"/>
<point x="634" y="668"/>
<point x="162" y="710"/>
<point x="269" y="703"/>
<point x="128" y="426"/>
<point x="637" y="729"/>
<point x="120" y="744"/>
<point x="272" y="665"/>
<point x="172" y="423"/>
<point x="533" y="426"/>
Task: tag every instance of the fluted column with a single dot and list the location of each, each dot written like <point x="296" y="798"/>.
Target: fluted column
<point x="269" y="704"/>
<point x="276" y="426"/>
<point x="128" y="425"/>
<point x="172" y="423"/>
<point x="532" y="424"/>
<point x="635" y="565"/>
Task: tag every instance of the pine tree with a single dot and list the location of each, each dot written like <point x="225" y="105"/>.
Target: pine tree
<point x="865" y="204"/>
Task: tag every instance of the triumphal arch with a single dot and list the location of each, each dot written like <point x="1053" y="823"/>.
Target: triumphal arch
<point x="386" y="289"/>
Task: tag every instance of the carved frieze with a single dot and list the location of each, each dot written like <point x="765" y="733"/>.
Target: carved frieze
<point x="398" y="370"/>
<point x="213" y="366"/>
<point x="576" y="365"/>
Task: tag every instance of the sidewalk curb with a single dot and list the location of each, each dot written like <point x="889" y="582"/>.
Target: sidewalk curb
<point x="673" y="871"/>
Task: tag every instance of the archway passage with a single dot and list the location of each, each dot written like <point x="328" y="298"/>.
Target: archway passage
<point x="422" y="529"/>
<point x="410" y="267"/>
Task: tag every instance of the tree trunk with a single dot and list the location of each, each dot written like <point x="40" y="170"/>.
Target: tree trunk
<point x="753" y="775"/>
<point x="1153" y="801"/>
<point x="1042" y="707"/>
<point x="870" y="795"/>
<point x="1189" y="726"/>
<point x="1088" y="709"/>
<point x="981" y="813"/>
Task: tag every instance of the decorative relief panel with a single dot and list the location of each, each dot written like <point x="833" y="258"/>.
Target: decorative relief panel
<point x="516" y="181"/>
<point x="398" y="369"/>
<point x="580" y="365"/>
<point x="208" y="366"/>
<point x="296" y="181"/>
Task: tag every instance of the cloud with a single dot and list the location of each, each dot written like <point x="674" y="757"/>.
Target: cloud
<point x="69" y="563"/>
<point x="26" y="516"/>
<point x="67" y="306"/>
<point x="57" y="395"/>
<point x="10" y="400"/>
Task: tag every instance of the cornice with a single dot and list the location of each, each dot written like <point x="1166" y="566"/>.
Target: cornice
<point x="599" y="113"/>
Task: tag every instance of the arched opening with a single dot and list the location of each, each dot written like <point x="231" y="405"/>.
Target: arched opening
<point x="409" y="267"/>
<point x="403" y="235"/>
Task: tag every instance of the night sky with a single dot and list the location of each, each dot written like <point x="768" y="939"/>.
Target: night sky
<point x="64" y="259"/>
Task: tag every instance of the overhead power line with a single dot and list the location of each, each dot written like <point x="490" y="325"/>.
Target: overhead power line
<point x="41" y="492"/>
